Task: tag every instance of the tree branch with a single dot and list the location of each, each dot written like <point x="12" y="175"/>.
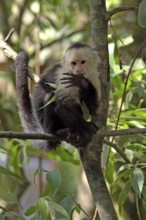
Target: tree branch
<point x="108" y="133"/>
<point x="51" y="137"/>
<point x="120" y="9"/>
<point x="10" y="53"/>
<point x="118" y="150"/>
<point x="31" y="136"/>
<point x="91" y="156"/>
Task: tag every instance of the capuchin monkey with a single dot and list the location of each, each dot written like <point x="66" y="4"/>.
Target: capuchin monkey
<point x="56" y="103"/>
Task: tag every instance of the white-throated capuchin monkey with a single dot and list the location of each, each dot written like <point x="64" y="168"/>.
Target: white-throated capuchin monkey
<point x="76" y="80"/>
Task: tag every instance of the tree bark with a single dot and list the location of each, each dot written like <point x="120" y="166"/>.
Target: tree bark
<point x="91" y="156"/>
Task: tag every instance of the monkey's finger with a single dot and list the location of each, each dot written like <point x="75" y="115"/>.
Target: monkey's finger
<point x="67" y="82"/>
<point x="70" y="85"/>
<point x="65" y="78"/>
<point x="68" y="74"/>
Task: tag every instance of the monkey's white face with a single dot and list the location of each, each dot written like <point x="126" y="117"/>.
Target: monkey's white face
<point x="79" y="61"/>
<point x="78" y="66"/>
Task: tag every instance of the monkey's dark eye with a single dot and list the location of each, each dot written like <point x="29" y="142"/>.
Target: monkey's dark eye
<point x="83" y="61"/>
<point x="73" y="63"/>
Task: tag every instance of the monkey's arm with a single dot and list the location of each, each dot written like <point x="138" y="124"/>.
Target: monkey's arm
<point x="87" y="91"/>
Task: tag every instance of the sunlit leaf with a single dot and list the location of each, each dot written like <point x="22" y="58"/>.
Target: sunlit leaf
<point x="53" y="85"/>
<point x="125" y="40"/>
<point x="43" y="207"/>
<point x="37" y="171"/>
<point x="30" y="210"/>
<point x="142" y="14"/>
<point x="78" y="208"/>
<point x="25" y="155"/>
<point x="137" y="181"/>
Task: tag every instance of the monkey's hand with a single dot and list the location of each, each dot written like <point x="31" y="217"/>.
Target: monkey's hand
<point x="74" y="80"/>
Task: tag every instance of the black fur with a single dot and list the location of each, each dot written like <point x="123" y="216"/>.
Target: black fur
<point x="78" y="45"/>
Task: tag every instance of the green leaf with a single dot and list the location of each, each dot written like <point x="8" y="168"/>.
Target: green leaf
<point x="53" y="99"/>
<point x="37" y="171"/>
<point x="43" y="207"/>
<point x="123" y="195"/>
<point x="30" y="211"/>
<point x="9" y="197"/>
<point x="67" y="204"/>
<point x="54" y="180"/>
<point x="78" y="208"/>
<point x="137" y="181"/>
<point x="66" y="155"/>
<point x="53" y="85"/>
<point x="110" y="171"/>
<point x="142" y="14"/>
<point x="7" y="172"/>
<point x="136" y="147"/>
<point x="124" y="175"/>
<point x="25" y="155"/>
<point x="144" y="193"/>
<point x="58" y="208"/>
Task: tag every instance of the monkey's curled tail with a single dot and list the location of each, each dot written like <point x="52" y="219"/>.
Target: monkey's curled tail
<point x="27" y="118"/>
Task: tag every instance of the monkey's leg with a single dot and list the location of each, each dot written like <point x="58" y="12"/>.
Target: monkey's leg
<point x="81" y="131"/>
<point x="52" y="124"/>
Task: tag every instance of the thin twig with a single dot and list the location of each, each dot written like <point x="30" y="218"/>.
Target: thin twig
<point x="118" y="150"/>
<point x="95" y="214"/>
<point x="9" y="35"/>
<point x="126" y="82"/>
